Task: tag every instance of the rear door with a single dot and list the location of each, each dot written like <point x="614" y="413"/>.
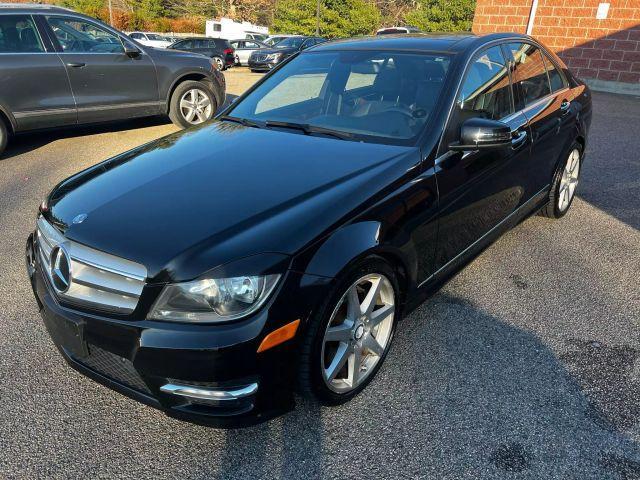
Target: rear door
<point x="106" y="83"/>
<point x="542" y="93"/>
<point x="34" y="87"/>
<point x="478" y="189"/>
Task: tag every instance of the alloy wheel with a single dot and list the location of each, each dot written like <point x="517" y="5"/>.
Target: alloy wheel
<point x="219" y="63"/>
<point x="195" y="106"/>
<point x="358" y="333"/>
<point x="569" y="180"/>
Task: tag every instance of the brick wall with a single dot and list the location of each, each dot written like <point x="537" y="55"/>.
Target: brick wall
<point x="599" y="50"/>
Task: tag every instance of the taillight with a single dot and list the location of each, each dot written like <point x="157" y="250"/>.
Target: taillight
<point x="228" y="51"/>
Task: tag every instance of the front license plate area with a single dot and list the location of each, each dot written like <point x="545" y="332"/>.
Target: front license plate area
<point x="66" y="333"/>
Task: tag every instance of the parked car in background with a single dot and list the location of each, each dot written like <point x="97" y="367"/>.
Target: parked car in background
<point x="244" y="49"/>
<point x="273" y="39"/>
<point x="210" y="272"/>
<point x="266" y="59"/>
<point x="59" y="68"/>
<point x="261" y="37"/>
<point x="396" y="30"/>
<point x="218" y="49"/>
<point x="151" y="39"/>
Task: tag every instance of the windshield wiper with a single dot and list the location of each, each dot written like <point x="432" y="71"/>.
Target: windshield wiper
<point x="310" y="129"/>
<point x="242" y="121"/>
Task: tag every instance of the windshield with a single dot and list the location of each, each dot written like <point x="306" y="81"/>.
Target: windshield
<point x="153" y="36"/>
<point x="376" y="96"/>
<point x="294" y="42"/>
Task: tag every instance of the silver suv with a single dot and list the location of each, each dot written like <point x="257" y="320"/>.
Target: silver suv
<point x="60" y="68"/>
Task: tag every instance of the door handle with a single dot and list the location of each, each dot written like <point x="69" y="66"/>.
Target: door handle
<point x="76" y="65"/>
<point x="518" y="139"/>
<point x="565" y="106"/>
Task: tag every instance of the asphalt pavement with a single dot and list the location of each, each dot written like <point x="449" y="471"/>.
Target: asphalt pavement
<point x="524" y="365"/>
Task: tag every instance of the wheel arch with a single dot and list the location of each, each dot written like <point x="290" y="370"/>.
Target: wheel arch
<point x="194" y="76"/>
<point x="8" y="120"/>
<point x="355" y="242"/>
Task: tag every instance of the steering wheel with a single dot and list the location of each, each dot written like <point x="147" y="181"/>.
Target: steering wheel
<point x="406" y="111"/>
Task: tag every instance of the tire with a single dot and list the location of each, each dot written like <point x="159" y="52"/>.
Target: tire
<point x="179" y="115"/>
<point x="318" y="355"/>
<point x="4" y="136"/>
<point x="564" y="184"/>
<point x="219" y="62"/>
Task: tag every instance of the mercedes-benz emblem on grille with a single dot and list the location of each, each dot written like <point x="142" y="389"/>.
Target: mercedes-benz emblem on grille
<point x="79" y="218"/>
<point x="60" y="266"/>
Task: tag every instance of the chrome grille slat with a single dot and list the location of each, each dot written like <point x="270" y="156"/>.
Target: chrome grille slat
<point x="98" y="279"/>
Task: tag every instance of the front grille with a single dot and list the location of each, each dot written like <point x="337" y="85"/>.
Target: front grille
<point x="114" y="367"/>
<point x="260" y="58"/>
<point x="97" y="279"/>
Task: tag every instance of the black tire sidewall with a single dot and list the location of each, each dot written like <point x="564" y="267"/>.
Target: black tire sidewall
<point x="4" y="136"/>
<point x="174" y="111"/>
<point x="321" y="319"/>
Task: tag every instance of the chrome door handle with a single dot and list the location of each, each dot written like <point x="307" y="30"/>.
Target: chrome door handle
<point x="76" y="65"/>
<point x="565" y="106"/>
<point x="518" y="138"/>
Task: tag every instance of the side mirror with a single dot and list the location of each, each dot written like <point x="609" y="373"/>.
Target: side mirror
<point x="131" y="51"/>
<point x="482" y="133"/>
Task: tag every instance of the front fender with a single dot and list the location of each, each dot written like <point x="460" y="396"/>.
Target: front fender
<point x="351" y="243"/>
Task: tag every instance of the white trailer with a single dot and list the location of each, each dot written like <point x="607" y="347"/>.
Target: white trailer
<point x="230" y="30"/>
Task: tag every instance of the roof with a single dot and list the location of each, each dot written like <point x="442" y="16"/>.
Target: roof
<point x="435" y="42"/>
<point x="33" y="7"/>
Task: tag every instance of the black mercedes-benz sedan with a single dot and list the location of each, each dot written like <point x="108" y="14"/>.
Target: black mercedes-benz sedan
<point x="216" y="271"/>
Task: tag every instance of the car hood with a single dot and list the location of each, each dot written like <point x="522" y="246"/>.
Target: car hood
<point x="203" y="197"/>
<point x="170" y="52"/>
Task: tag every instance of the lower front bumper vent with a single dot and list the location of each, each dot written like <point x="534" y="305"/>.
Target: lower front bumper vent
<point x="114" y="367"/>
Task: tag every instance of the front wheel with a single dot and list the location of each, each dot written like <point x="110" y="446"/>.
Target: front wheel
<point x="348" y="339"/>
<point x="192" y="103"/>
<point x="565" y="182"/>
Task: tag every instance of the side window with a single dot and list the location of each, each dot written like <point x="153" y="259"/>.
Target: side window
<point x="556" y="79"/>
<point x="186" y="44"/>
<point x="250" y="45"/>
<point x="78" y="36"/>
<point x="529" y="73"/>
<point x="18" y="35"/>
<point x="137" y="36"/>
<point x="486" y="91"/>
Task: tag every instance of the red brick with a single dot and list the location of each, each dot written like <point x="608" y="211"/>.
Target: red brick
<point x="612" y="54"/>
<point x="607" y="75"/>
<point x="627" y="46"/>
<point x="635" y="67"/>
<point x="591" y="53"/>
<point x="587" y="73"/>
<point x="620" y="66"/>
<point x="598" y="63"/>
<point x="604" y="43"/>
<point x="631" y="57"/>
<point x="622" y="35"/>
<point x="629" y="77"/>
<point x="572" y="52"/>
<point x="634" y="35"/>
<point x="578" y="62"/>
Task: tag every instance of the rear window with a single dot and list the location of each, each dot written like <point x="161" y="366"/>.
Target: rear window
<point x="18" y="34"/>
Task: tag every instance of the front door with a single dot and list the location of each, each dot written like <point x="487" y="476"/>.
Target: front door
<point x="543" y="94"/>
<point x="34" y="87"/>
<point x="106" y="83"/>
<point x="478" y="189"/>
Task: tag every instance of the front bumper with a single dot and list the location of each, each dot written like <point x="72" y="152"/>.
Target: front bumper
<point x="262" y="66"/>
<point x="206" y="374"/>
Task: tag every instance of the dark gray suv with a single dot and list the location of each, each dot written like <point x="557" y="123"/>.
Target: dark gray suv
<point x="59" y="68"/>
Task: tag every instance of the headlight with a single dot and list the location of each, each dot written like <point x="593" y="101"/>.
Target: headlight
<point x="273" y="56"/>
<point x="213" y="300"/>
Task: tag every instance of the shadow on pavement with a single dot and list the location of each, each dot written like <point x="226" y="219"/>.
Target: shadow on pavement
<point x="610" y="179"/>
<point x="488" y="400"/>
